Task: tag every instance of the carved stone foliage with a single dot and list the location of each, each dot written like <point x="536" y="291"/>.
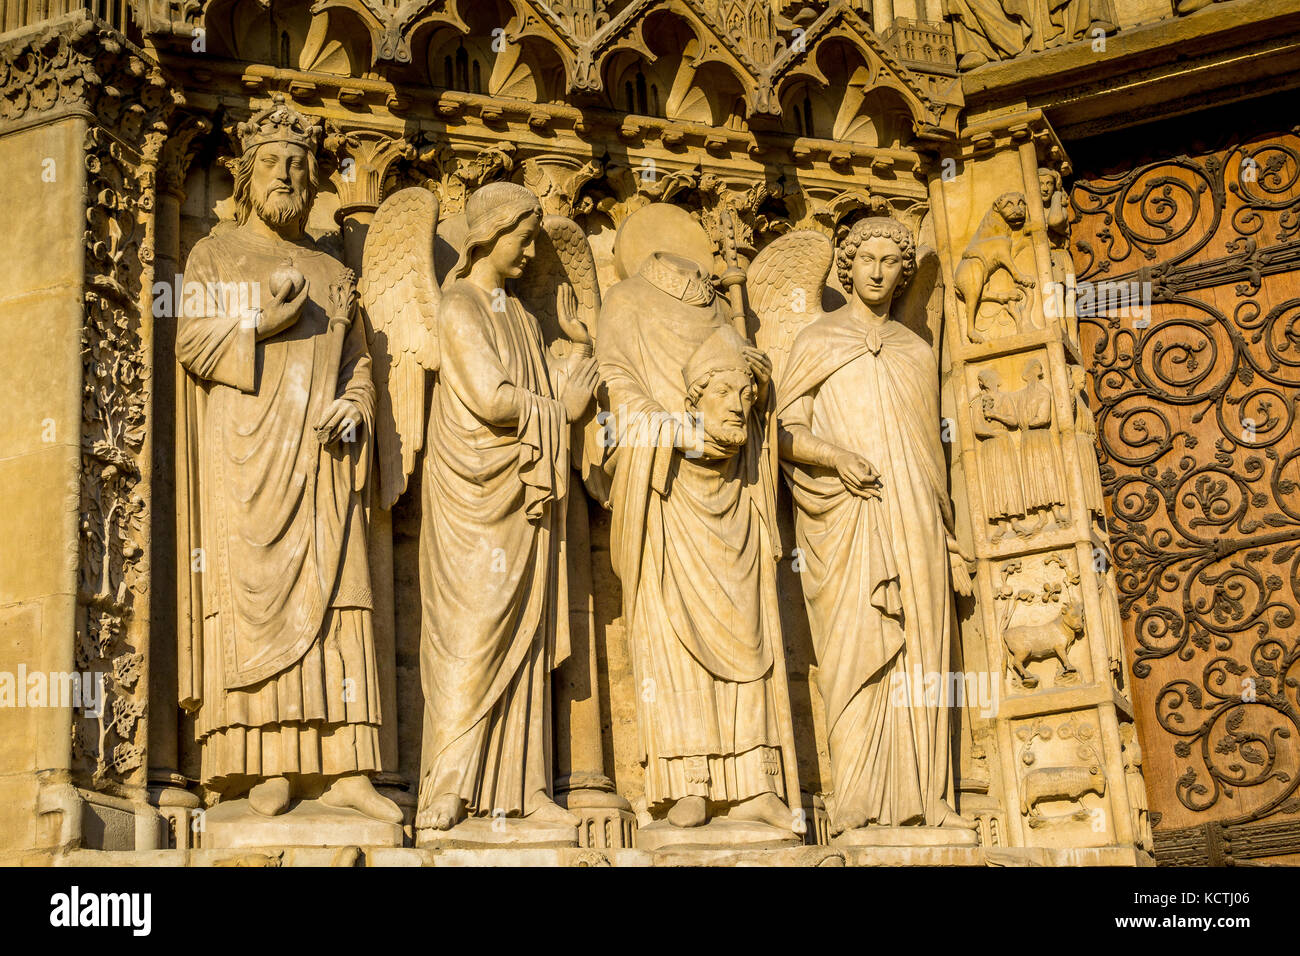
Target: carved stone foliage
<point x="1195" y="399"/>
<point x="114" y="495"/>
<point x="78" y="63"/>
<point x="82" y="66"/>
<point x="451" y="173"/>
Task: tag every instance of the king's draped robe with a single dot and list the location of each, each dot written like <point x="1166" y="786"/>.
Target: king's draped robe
<point x="691" y="542"/>
<point x="493" y="576"/>
<point x="876" y="576"/>
<point x="277" y="644"/>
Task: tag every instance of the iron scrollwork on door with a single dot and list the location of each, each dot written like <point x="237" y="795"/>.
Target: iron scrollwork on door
<point x="1195" y="400"/>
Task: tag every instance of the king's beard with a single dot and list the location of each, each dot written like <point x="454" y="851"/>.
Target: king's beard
<point x="280" y="209"/>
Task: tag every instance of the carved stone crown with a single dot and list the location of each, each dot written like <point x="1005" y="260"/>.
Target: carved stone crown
<point x="280" y="123"/>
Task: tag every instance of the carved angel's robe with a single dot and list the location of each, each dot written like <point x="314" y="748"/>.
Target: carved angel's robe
<point x="492" y="570"/>
<point x="876" y="576"/>
<point x="691" y="543"/>
<point x="279" y="649"/>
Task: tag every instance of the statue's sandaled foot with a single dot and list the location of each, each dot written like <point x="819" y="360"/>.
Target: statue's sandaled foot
<point x="545" y="810"/>
<point x="442" y="813"/>
<point x="688" y="812"/>
<point x="946" y="816"/>
<point x="270" y="797"/>
<point x="356" y="792"/>
<point x="765" y="808"/>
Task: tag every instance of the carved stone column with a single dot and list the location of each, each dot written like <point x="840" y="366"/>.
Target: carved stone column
<point x="81" y="129"/>
<point x="1042" y="606"/>
<point x="364" y="158"/>
<point x="167" y="785"/>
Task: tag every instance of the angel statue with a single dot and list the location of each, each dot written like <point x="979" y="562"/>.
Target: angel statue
<point x="859" y="438"/>
<point x="693" y="541"/>
<point x="495" y="619"/>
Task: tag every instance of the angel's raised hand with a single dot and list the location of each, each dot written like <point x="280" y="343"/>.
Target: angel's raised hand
<point x="566" y="311"/>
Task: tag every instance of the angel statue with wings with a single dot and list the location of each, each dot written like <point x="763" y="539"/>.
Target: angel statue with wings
<point x="859" y="438"/>
<point x="496" y="475"/>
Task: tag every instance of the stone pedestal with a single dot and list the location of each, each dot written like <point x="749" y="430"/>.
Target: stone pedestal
<point x="236" y="825"/>
<point x="499" y="832"/>
<point x="716" y="834"/>
<point x="905" y="837"/>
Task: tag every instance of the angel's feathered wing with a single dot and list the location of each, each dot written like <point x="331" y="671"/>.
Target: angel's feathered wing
<point x="786" y="281"/>
<point x="921" y="305"/>
<point x="563" y="256"/>
<point x="400" y="297"/>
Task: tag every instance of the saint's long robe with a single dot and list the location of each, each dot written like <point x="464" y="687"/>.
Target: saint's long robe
<point x="691" y="541"/>
<point x="876" y="578"/>
<point x="277" y="643"/>
<point x="1043" y="472"/>
<point x="492" y="563"/>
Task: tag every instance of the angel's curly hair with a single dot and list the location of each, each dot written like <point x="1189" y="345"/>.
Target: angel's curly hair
<point x="864" y="229"/>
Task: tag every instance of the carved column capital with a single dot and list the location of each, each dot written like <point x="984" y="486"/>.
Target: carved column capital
<point x="179" y="150"/>
<point x="78" y="65"/>
<point x="364" y="157"/>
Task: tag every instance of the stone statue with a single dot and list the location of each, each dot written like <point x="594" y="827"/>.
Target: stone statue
<point x="991" y="250"/>
<point x="277" y="410"/>
<point x="995" y="422"/>
<point x="1085" y="438"/>
<point x="1131" y="748"/>
<point x="693" y="541"/>
<point x="987" y="30"/>
<point x="859" y="434"/>
<point x="1043" y="472"/>
<point x="496" y="476"/>
<point x="1052" y="193"/>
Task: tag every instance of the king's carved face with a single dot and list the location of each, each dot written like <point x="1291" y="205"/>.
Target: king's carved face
<point x="877" y="267"/>
<point x="723" y="407"/>
<point x="511" y="253"/>
<point x="279" y="186"/>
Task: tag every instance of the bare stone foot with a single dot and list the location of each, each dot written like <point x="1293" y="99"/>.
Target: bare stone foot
<point x="946" y="816"/>
<point x="442" y="814"/>
<point x="546" y="810"/>
<point x="688" y="812"/>
<point x="270" y="797"/>
<point x="765" y="808"/>
<point x="355" y="791"/>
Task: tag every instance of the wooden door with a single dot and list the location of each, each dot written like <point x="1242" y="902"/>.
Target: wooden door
<point x="1196" y="404"/>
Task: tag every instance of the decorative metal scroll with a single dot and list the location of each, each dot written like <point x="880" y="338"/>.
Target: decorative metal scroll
<point x="1195" y="400"/>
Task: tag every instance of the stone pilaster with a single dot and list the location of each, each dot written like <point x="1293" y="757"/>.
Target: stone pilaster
<point x="1052" y="723"/>
<point x="84" y="114"/>
<point x="364" y="157"/>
